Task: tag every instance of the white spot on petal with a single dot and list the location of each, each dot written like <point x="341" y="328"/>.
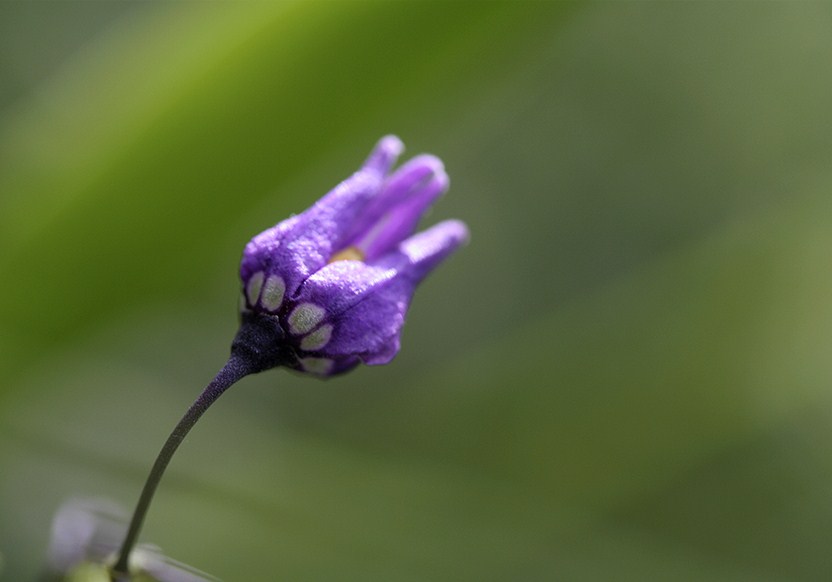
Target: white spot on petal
<point x="305" y="317"/>
<point x="255" y="283"/>
<point x="317" y="339"/>
<point x="319" y="366"/>
<point x="273" y="291"/>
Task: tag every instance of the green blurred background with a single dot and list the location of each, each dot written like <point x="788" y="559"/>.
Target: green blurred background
<point x="626" y="375"/>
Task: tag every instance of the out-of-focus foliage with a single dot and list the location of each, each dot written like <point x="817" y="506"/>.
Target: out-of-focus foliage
<point x="624" y="376"/>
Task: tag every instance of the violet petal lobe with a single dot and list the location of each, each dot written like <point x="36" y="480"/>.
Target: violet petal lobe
<point x="395" y="212"/>
<point x="366" y="307"/>
<point x="417" y="256"/>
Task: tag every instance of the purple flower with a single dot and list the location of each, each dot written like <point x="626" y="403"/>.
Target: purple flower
<point x="329" y="288"/>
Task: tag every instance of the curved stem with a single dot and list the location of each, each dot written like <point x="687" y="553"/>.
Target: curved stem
<point x="235" y="368"/>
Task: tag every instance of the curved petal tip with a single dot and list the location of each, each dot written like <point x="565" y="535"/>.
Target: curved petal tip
<point x="384" y="155"/>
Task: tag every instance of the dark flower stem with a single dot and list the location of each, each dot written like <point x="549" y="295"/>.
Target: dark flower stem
<point x="235" y="369"/>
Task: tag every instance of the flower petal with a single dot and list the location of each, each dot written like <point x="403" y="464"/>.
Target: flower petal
<point x="384" y="155"/>
<point x="85" y="529"/>
<point x="371" y="327"/>
<point x="340" y="285"/>
<point x="365" y="306"/>
<point x="418" y="255"/>
<point x="395" y="212"/>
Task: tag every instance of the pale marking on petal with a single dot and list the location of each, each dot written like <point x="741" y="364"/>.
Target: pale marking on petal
<point x="319" y="366"/>
<point x="243" y="305"/>
<point x="305" y="317"/>
<point x="273" y="291"/>
<point x="255" y="283"/>
<point x="317" y="339"/>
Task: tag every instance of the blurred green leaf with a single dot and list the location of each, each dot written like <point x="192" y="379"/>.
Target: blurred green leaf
<point x="623" y="377"/>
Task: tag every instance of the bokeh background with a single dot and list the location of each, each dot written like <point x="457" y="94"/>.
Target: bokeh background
<point x="626" y="375"/>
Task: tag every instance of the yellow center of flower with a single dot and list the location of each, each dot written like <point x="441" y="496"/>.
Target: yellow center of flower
<point x="348" y="254"/>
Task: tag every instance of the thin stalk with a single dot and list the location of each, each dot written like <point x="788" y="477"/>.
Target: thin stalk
<point x="235" y="369"/>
